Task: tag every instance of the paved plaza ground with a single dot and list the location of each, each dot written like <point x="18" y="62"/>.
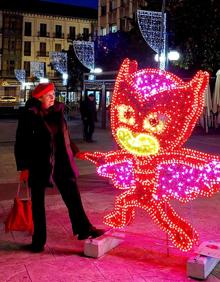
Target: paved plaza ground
<point x="144" y="255"/>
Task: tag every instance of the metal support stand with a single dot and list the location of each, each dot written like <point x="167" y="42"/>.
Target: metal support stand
<point x="103" y="103"/>
<point x="200" y="266"/>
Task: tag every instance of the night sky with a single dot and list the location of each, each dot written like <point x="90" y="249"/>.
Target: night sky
<point x="86" y="3"/>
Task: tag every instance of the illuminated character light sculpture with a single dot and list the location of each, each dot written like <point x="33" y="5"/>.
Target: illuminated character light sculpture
<point x="153" y="112"/>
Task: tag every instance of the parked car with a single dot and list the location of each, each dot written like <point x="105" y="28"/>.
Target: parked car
<point x="8" y="99"/>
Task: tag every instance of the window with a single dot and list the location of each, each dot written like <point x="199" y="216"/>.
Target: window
<point x="85" y="34"/>
<point x="11" y="67"/>
<point x="58" y="47"/>
<point x="103" y="10"/>
<point x="27" y="48"/>
<point x="113" y="5"/>
<point x="123" y="24"/>
<point x="43" y="30"/>
<point x="6" y="44"/>
<point x="27" y="67"/>
<point x="43" y="46"/>
<point x="103" y="31"/>
<point x="110" y="6"/>
<point x="124" y="3"/>
<point x="12" y="45"/>
<point x="72" y="33"/>
<point x="43" y="49"/>
<point x="27" y="29"/>
<point x="12" y="24"/>
<point x="58" y="32"/>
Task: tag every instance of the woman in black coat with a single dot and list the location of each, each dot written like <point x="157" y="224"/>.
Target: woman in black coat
<point x="44" y="157"/>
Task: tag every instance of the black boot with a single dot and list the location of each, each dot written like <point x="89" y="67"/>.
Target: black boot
<point x="92" y="232"/>
<point x="34" y="248"/>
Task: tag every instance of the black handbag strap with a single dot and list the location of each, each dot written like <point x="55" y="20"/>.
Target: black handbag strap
<point x="27" y="190"/>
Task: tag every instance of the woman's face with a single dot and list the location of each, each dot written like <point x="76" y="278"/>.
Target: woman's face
<point x="48" y="99"/>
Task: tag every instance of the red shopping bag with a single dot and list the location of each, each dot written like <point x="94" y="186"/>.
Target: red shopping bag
<point x="20" y="215"/>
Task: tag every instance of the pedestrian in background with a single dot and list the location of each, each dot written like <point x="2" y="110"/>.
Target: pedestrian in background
<point x="88" y="115"/>
<point x="44" y="157"/>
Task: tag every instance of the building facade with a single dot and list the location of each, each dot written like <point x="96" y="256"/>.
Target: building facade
<point x="29" y="35"/>
<point x="114" y="15"/>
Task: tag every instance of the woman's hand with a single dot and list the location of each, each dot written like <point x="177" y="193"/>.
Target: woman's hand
<point x="24" y="174"/>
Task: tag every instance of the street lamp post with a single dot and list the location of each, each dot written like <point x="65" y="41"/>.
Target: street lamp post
<point x="163" y="37"/>
<point x="103" y="103"/>
<point x="65" y="83"/>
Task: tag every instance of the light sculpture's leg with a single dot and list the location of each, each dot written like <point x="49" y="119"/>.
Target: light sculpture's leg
<point x="179" y="231"/>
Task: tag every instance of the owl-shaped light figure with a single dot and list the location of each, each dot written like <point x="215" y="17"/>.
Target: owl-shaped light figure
<point x="153" y="112"/>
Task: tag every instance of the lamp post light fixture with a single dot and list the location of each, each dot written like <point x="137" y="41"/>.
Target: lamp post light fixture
<point x="93" y="72"/>
<point x="161" y="59"/>
<point x="96" y="70"/>
<point x="65" y="83"/>
<point x="172" y="56"/>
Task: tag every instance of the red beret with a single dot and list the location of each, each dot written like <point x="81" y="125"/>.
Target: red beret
<point x="42" y="88"/>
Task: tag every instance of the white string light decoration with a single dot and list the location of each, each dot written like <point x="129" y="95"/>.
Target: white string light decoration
<point x="37" y="69"/>
<point x="20" y="75"/>
<point x="84" y="51"/>
<point x="153" y="31"/>
<point x="59" y="61"/>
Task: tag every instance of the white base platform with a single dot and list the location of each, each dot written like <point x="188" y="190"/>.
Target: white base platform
<point x="99" y="246"/>
<point x="201" y="266"/>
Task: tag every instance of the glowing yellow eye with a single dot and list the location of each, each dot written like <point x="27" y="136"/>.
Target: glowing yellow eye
<point x="126" y="114"/>
<point x="154" y="123"/>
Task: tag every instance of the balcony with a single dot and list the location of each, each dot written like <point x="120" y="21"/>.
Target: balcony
<point x="71" y="36"/>
<point x="8" y="73"/>
<point x="27" y="53"/>
<point x="58" y="35"/>
<point x="42" y="54"/>
<point x="11" y="32"/>
<point x="43" y="34"/>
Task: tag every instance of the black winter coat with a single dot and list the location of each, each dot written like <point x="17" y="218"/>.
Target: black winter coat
<point x="88" y="110"/>
<point x="44" y="150"/>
